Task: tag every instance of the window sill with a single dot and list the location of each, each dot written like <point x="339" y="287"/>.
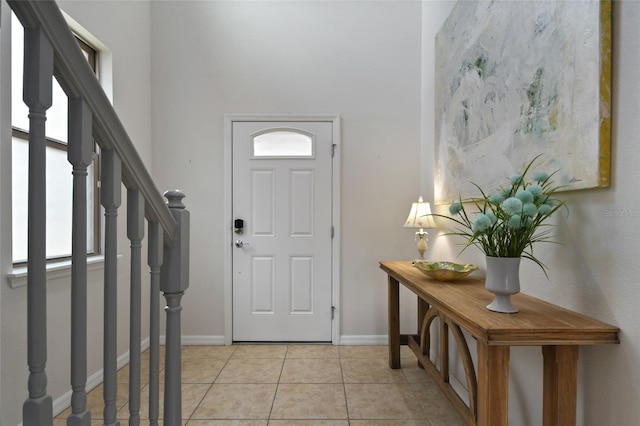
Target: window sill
<point x="17" y="277"/>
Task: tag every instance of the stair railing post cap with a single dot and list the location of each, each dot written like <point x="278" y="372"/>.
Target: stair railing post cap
<point x="174" y="198"/>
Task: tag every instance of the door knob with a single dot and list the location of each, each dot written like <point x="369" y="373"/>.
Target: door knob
<point x="239" y="243"/>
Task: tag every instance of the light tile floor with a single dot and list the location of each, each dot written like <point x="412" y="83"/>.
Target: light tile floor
<point x="294" y="385"/>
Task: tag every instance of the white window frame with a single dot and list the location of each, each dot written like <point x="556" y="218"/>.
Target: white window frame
<point x="60" y="268"/>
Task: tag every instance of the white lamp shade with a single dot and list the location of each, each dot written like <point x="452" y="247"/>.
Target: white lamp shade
<point x="420" y="216"/>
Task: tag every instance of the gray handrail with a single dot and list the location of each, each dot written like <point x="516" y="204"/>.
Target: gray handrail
<point x="50" y="48"/>
<point x="79" y="81"/>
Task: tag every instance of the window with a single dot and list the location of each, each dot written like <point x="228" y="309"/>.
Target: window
<point x="59" y="177"/>
<point x="282" y="143"/>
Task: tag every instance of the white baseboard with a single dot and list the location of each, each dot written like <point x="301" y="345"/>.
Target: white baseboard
<point x="343" y="340"/>
<point x="64" y="402"/>
<point x="198" y="340"/>
<point x="364" y="340"/>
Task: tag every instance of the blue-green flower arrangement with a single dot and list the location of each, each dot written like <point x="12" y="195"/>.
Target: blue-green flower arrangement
<point x="508" y="222"/>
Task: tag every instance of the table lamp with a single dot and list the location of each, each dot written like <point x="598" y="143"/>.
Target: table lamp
<point x="420" y="217"/>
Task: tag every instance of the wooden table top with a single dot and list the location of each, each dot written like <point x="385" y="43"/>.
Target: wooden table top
<point x="537" y="323"/>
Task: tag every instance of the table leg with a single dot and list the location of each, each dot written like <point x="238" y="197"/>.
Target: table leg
<point x="423" y="307"/>
<point x="560" y="385"/>
<point x="394" y="323"/>
<point x="444" y="349"/>
<point x="493" y="385"/>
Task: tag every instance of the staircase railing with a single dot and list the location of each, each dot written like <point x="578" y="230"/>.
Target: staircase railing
<point x="50" y="49"/>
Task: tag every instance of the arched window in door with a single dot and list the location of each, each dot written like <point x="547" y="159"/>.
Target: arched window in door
<point x="283" y="143"/>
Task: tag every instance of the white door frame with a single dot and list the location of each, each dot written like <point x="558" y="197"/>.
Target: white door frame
<point x="229" y="119"/>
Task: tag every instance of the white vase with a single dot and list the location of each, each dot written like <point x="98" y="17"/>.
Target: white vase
<point x="503" y="280"/>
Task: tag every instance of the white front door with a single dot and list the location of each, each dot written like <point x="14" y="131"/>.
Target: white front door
<point x="282" y="240"/>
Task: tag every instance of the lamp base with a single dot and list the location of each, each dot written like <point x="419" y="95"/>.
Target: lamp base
<point x="421" y="238"/>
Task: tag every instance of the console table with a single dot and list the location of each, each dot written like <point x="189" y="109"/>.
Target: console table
<point x="462" y="305"/>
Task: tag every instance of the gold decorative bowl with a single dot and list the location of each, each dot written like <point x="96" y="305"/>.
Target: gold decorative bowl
<point x="445" y="271"/>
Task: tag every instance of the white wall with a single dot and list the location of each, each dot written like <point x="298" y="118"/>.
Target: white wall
<point x="595" y="270"/>
<point x="360" y="60"/>
<point x="129" y="41"/>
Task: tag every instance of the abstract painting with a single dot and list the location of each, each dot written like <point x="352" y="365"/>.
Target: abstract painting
<point x="518" y="79"/>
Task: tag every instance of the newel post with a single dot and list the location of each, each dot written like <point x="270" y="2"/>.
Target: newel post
<point x="173" y="283"/>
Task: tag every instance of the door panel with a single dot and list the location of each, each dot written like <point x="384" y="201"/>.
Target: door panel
<point x="282" y="260"/>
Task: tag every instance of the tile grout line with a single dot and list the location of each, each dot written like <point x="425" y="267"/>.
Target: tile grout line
<point x="275" y="394"/>
<point x="210" y="386"/>
<point x="291" y="352"/>
<point x="207" y="391"/>
<point x="344" y="387"/>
